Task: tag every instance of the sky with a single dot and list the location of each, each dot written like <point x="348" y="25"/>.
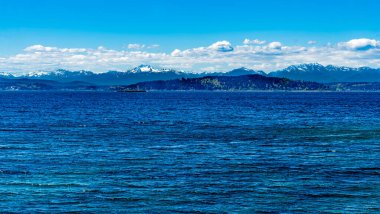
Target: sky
<point x="195" y="36"/>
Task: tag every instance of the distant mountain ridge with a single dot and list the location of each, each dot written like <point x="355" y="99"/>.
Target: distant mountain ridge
<point x="307" y="72"/>
<point x="328" y="74"/>
<point x="36" y="84"/>
<point x="138" y="74"/>
<point x="239" y="72"/>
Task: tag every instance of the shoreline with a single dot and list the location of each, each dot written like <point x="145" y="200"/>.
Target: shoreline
<point x="204" y="91"/>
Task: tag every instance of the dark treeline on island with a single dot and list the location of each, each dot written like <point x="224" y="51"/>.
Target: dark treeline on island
<point x="227" y="83"/>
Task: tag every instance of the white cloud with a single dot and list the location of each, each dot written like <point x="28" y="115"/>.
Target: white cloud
<point x="275" y="45"/>
<point x="153" y="46"/>
<point x="312" y="42"/>
<point x="360" y="44"/>
<point x="222" y="46"/>
<point x="135" y="46"/>
<point x="253" y="42"/>
<point x="39" y="48"/>
<point x="220" y="56"/>
<point x="176" y="52"/>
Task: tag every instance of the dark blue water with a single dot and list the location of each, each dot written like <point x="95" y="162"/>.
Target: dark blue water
<point x="186" y="152"/>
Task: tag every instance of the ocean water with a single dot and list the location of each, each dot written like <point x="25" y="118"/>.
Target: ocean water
<point x="186" y="152"/>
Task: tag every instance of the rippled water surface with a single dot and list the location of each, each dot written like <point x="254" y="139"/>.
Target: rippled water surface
<point x="185" y="152"/>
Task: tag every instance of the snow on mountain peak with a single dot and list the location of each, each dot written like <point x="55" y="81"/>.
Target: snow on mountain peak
<point x="59" y="72"/>
<point x="146" y="68"/>
<point x="36" y="73"/>
<point x="4" y="74"/>
<point x="304" y="67"/>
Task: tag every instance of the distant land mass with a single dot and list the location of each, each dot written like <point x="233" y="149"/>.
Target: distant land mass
<point x="304" y="77"/>
<point x="227" y="83"/>
<point x="252" y="82"/>
<point x="354" y="86"/>
<point x="43" y="85"/>
<point x="308" y="72"/>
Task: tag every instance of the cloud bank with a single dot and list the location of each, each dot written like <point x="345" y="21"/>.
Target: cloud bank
<point x="219" y="56"/>
<point x="361" y="44"/>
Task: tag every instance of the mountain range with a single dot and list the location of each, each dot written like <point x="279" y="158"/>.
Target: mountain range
<point x="135" y="75"/>
<point x="213" y="83"/>
<point x="328" y="74"/>
<point x="307" y="72"/>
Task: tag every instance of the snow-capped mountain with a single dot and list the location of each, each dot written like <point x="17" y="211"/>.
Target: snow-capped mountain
<point x="6" y="75"/>
<point x="312" y="67"/>
<point x="147" y="68"/>
<point x="319" y="73"/>
<point x="138" y="74"/>
<point x="36" y="74"/>
<point x="57" y="73"/>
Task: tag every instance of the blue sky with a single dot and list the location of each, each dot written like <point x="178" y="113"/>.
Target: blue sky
<point x="181" y="24"/>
